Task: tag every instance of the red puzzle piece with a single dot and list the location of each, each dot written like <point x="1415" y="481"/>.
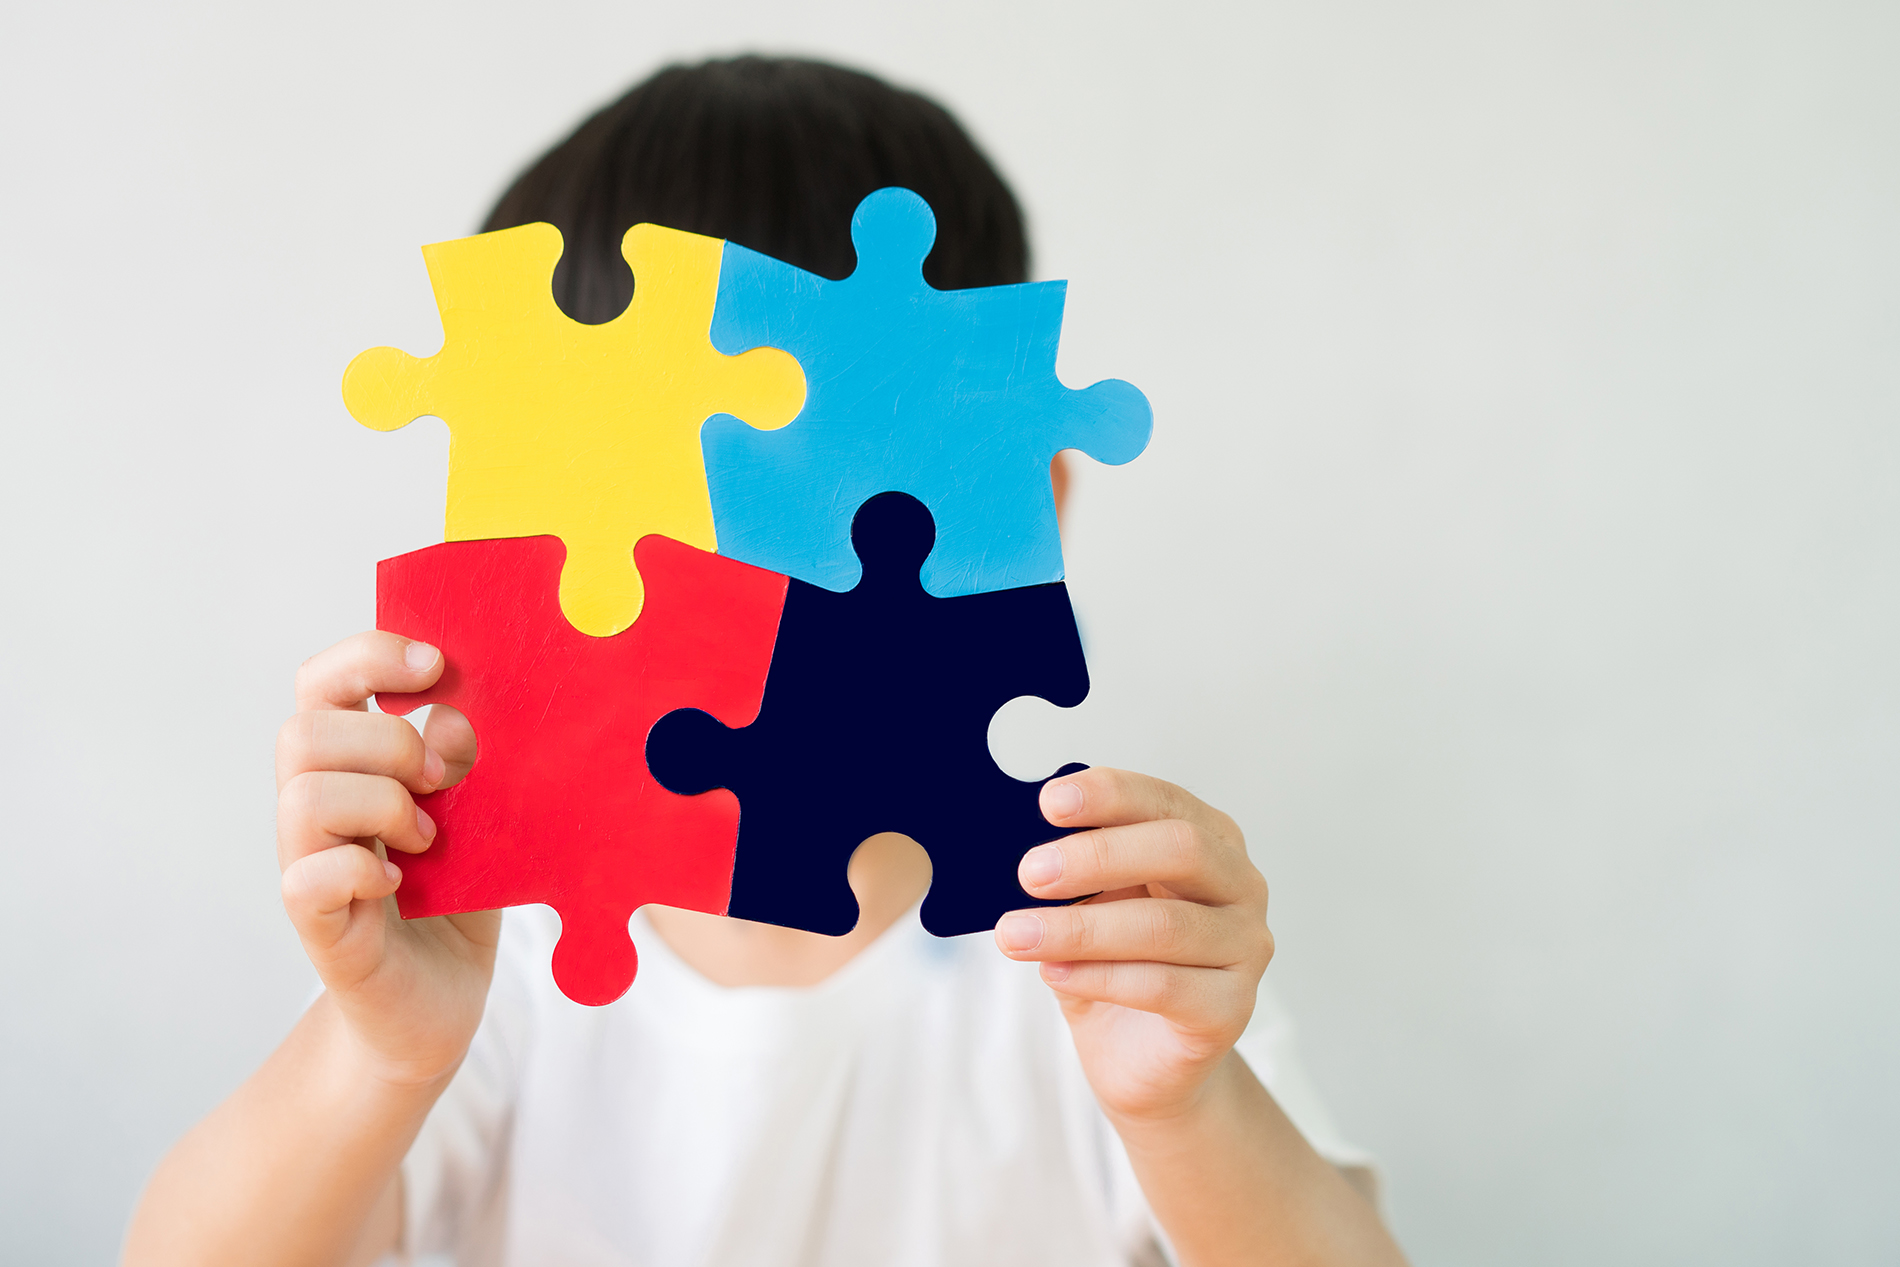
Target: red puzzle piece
<point x="560" y="807"/>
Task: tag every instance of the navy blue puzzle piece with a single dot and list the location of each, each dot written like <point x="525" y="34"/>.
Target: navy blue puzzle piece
<point x="876" y="718"/>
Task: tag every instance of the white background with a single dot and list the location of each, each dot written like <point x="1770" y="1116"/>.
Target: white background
<point x="1515" y="557"/>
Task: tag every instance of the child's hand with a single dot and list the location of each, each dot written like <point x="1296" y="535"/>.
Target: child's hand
<point x="410" y="991"/>
<point x="1156" y="973"/>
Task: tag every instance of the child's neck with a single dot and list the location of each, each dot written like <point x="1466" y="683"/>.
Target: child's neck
<point x="888" y="873"/>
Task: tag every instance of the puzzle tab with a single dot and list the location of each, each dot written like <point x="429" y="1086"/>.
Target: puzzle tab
<point x="948" y="395"/>
<point x="586" y="432"/>
<point x="876" y="718"/>
<point x="559" y="807"/>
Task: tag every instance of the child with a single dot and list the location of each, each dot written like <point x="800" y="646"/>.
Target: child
<point x="761" y="1096"/>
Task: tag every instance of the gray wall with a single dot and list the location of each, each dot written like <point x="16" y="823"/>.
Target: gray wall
<point x="1515" y="557"/>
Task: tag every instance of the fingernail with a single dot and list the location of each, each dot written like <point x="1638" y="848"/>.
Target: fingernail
<point x="425" y="824"/>
<point x="433" y="767"/>
<point x="1057" y="971"/>
<point x="1041" y="865"/>
<point x="420" y="656"/>
<point x="393" y="871"/>
<point x="1019" y="932"/>
<point x="1061" y="800"/>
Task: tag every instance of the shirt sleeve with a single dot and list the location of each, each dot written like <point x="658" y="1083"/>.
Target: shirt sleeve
<point x="455" y="1170"/>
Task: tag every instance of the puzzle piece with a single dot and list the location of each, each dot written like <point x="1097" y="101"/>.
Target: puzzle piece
<point x="948" y="395"/>
<point x="559" y="807"/>
<point x="590" y="433"/>
<point x="876" y="718"/>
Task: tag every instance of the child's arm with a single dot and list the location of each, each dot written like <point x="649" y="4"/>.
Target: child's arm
<point x="1157" y="977"/>
<point x="300" y="1164"/>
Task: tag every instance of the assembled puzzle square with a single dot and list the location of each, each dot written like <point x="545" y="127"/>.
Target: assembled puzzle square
<point x="724" y="577"/>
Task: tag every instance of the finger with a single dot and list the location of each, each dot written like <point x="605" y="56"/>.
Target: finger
<point x="448" y="732"/>
<point x="346" y="675"/>
<point x="1103" y="797"/>
<point x="1196" y="998"/>
<point x="1177" y="853"/>
<point x="320" y="890"/>
<point x="361" y="743"/>
<point x="323" y="809"/>
<point x="1158" y="929"/>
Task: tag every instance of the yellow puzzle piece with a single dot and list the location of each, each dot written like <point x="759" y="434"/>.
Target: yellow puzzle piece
<point x="590" y="433"/>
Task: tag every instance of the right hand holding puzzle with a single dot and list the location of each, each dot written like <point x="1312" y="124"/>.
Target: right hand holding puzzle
<point x="410" y="992"/>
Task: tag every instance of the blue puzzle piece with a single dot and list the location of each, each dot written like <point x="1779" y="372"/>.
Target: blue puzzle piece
<point x="948" y="395"/>
<point x="876" y="718"/>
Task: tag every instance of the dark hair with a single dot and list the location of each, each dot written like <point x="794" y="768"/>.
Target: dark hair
<point x="771" y="153"/>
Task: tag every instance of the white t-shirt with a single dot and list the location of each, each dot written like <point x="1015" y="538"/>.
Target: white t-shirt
<point x="921" y="1107"/>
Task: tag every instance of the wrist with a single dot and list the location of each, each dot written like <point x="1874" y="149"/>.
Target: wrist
<point x="1167" y="1126"/>
<point x="352" y="1059"/>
